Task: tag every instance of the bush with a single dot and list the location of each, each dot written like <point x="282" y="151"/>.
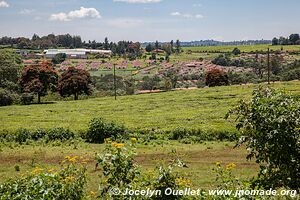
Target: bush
<point x="22" y="135"/>
<point x="119" y="170"/>
<point x="222" y="60"/>
<point x="67" y="183"/>
<point x="270" y="124"/>
<point x="26" y="98"/>
<point x="6" y="97"/>
<point x="99" y="130"/>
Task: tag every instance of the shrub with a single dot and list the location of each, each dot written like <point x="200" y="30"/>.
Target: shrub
<point x="222" y="60"/>
<point x="26" y="98"/>
<point x="99" y="130"/>
<point x="236" y="51"/>
<point x="5" y="97"/>
<point x="22" y="135"/>
<point x="216" y="77"/>
<point x="59" y="134"/>
<point x="270" y="124"/>
<point x="67" y="183"/>
<point x="119" y="170"/>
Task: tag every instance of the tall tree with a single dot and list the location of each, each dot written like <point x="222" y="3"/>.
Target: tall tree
<point x="275" y="41"/>
<point x="10" y="63"/>
<point x="106" y="44"/>
<point x="156" y="45"/>
<point x="149" y="48"/>
<point x="177" y="46"/>
<point x="294" y="38"/>
<point x="38" y="79"/>
<point x="75" y="82"/>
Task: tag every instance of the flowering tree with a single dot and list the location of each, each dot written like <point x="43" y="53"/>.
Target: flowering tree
<point x="216" y="77"/>
<point x="74" y="82"/>
<point x="38" y="79"/>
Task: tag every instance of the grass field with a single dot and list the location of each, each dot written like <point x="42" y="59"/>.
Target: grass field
<point x="198" y="109"/>
<point x="244" y="48"/>
<point x="200" y="159"/>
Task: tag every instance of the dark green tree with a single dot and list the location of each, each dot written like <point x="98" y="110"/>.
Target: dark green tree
<point x="75" y="82"/>
<point x="59" y="58"/>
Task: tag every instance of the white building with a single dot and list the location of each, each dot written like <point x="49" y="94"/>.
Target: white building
<point x="75" y="53"/>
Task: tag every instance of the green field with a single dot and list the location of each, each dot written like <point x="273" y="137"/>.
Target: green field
<point x="198" y="109"/>
<point x="244" y="48"/>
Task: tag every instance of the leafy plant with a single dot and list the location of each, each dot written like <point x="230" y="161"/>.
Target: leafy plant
<point x="119" y="170"/>
<point x="67" y="183"/>
<point x="99" y="130"/>
<point x="270" y="124"/>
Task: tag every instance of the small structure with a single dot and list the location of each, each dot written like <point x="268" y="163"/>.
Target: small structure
<point x="75" y="53"/>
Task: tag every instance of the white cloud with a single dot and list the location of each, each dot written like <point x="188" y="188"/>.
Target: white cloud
<point x="26" y="11"/>
<point x="124" y="23"/>
<point x="76" y="14"/>
<point x="175" y="13"/>
<point x="199" y="16"/>
<point x="138" y="1"/>
<point x="187" y="15"/>
<point x="4" y="4"/>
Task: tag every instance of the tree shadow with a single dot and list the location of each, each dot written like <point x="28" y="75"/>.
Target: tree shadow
<point x="42" y="103"/>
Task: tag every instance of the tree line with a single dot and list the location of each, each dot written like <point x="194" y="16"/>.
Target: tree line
<point x="133" y="49"/>
<point x="293" y="39"/>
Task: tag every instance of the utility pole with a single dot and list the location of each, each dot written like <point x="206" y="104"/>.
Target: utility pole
<point x="269" y="66"/>
<point x="115" y="84"/>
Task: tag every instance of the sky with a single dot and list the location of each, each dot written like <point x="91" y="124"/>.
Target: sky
<point x="151" y="20"/>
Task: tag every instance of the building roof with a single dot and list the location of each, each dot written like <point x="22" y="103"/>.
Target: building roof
<point x="75" y="51"/>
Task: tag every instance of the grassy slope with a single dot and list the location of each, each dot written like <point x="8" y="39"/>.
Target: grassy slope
<point x="245" y="48"/>
<point x="202" y="108"/>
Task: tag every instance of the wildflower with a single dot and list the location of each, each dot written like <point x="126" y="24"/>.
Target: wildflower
<point x="118" y="145"/>
<point x="93" y="193"/>
<point x="133" y="140"/>
<point x="69" y="178"/>
<point x="51" y="170"/>
<point x="74" y="159"/>
<point x="218" y="163"/>
<point x="230" y="166"/>
<point x="108" y="140"/>
<point x="37" y="170"/>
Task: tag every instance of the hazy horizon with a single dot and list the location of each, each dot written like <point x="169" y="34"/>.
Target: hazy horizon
<point x="151" y="20"/>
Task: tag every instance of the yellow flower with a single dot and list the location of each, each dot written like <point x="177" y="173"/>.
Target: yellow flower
<point x="108" y="140"/>
<point x="133" y="140"/>
<point x="230" y="166"/>
<point x="118" y="145"/>
<point x="74" y="159"/>
<point x="93" y="193"/>
<point x="51" y="170"/>
<point x="69" y="178"/>
<point x="37" y="170"/>
<point x="218" y="163"/>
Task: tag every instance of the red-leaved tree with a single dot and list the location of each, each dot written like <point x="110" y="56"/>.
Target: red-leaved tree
<point x="75" y="82"/>
<point x="38" y="79"/>
<point x="216" y="77"/>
